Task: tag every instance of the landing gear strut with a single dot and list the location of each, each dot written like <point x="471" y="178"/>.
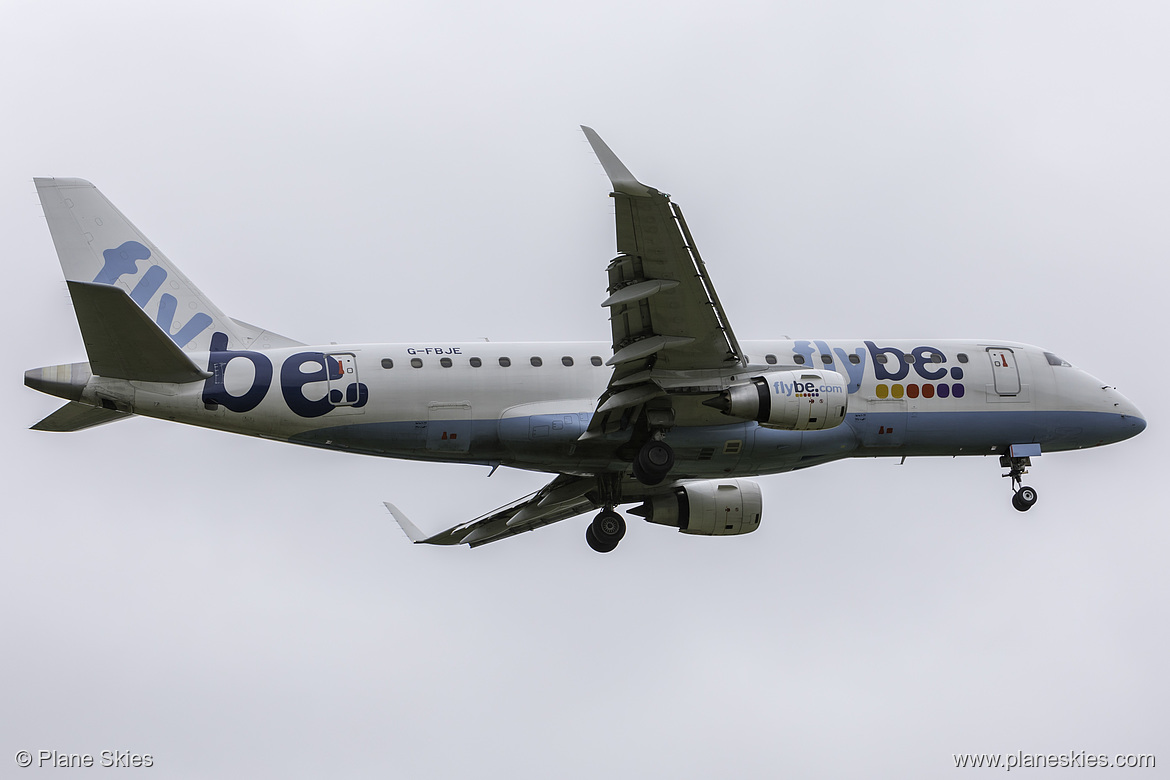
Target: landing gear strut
<point x="653" y="462"/>
<point x="606" y="530"/>
<point x="1024" y="496"/>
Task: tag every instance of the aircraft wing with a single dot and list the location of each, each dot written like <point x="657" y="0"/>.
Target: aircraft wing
<point x="562" y="498"/>
<point x="666" y="318"/>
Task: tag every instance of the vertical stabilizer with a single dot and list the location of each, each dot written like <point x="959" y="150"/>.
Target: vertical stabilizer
<point x="96" y="244"/>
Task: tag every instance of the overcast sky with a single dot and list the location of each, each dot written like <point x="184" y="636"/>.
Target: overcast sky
<point x="408" y="172"/>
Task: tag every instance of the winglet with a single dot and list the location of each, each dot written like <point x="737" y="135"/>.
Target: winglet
<point x="619" y="175"/>
<point x="409" y="528"/>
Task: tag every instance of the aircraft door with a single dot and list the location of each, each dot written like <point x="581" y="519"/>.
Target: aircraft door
<point x="1005" y="370"/>
<point x="343" y="379"/>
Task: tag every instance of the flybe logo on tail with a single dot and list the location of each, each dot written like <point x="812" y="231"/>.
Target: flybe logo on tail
<point x="122" y="261"/>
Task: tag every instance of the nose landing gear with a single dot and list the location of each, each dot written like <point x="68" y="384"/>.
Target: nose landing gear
<point x="1024" y="496"/>
<point x="606" y="530"/>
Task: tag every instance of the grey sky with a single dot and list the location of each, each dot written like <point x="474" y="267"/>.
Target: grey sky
<point x="240" y="608"/>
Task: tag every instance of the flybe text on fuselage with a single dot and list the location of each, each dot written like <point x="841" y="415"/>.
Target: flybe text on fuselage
<point x="296" y="371"/>
<point x="889" y="363"/>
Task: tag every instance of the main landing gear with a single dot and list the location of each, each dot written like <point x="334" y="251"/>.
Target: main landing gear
<point x="606" y="530"/>
<point x="1024" y="496"/>
<point x="653" y="462"/>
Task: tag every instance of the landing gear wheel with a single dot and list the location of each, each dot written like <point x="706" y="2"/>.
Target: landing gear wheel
<point x="606" y="530"/>
<point x="1024" y="498"/>
<point x="653" y="462"/>
<point x="595" y="544"/>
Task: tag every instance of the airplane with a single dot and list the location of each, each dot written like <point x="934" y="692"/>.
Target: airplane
<point x="673" y="415"/>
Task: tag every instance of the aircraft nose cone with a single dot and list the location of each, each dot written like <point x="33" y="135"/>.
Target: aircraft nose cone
<point x="1137" y="421"/>
<point x="1130" y="417"/>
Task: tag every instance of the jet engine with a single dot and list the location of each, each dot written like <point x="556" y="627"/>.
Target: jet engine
<point x="809" y="400"/>
<point x="724" y="508"/>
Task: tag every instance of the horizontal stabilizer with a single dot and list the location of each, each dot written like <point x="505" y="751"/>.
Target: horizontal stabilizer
<point x="77" y="417"/>
<point x="121" y="340"/>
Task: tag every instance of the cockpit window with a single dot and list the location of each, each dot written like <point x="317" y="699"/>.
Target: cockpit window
<point x="1053" y="360"/>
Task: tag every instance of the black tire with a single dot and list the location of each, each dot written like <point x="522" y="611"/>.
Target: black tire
<point x="1016" y="503"/>
<point x="608" y="527"/>
<point x="595" y="543"/>
<point x="646" y="478"/>
<point x="1027" y="496"/>
<point x="653" y="462"/>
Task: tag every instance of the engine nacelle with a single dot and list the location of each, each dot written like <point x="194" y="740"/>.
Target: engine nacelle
<point x="724" y="508"/>
<point x="809" y="400"/>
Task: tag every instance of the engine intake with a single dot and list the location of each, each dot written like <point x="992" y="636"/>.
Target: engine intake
<point x="792" y="400"/>
<point x="725" y="508"/>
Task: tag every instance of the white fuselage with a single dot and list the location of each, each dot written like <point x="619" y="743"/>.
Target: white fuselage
<point x="459" y="402"/>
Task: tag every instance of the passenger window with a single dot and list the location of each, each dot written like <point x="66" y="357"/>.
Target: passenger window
<point x="909" y="358"/>
<point x="536" y="361"/>
<point x="475" y="362"/>
<point x="416" y="362"/>
<point x="798" y="359"/>
<point x="445" y="362"/>
<point x="770" y="359"/>
<point x="855" y="358"/>
<point x="826" y="359"/>
<point x="566" y="361"/>
<point x="881" y="357"/>
<point x="387" y="363"/>
<point x="595" y="360"/>
<point x="505" y="362"/>
<point x="962" y="357"/>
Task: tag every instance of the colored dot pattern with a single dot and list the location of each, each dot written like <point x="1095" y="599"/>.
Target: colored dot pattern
<point x="941" y="390"/>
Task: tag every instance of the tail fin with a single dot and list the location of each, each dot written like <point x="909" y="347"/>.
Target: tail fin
<point x="97" y="244"/>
